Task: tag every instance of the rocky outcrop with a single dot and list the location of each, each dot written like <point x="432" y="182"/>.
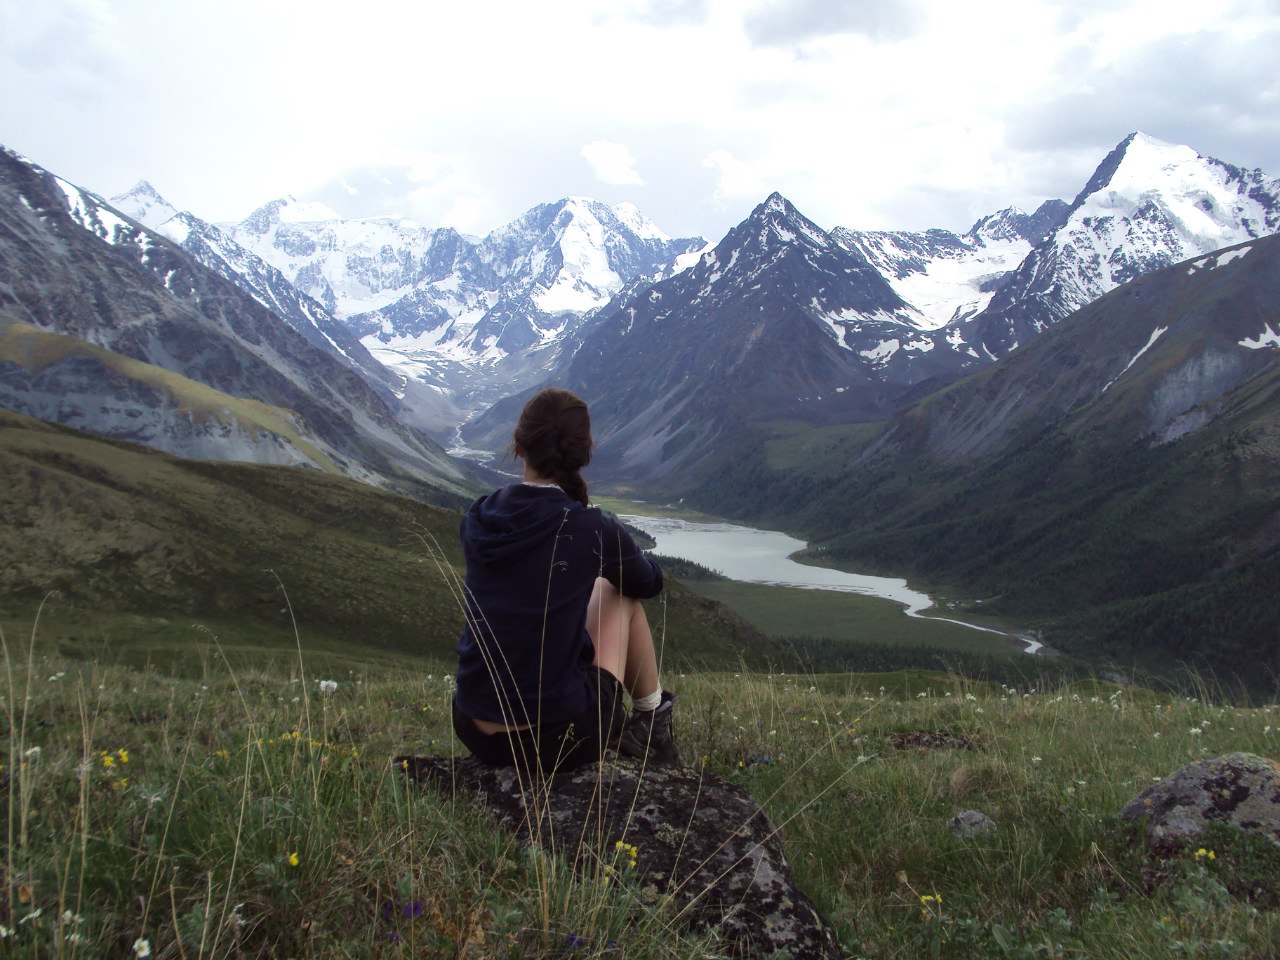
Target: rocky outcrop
<point x="701" y="847"/>
<point x="1240" y="790"/>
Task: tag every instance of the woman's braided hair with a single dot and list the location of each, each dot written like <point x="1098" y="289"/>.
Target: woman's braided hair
<point x="554" y="436"/>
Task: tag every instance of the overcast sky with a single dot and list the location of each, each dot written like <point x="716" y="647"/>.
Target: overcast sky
<point x="898" y="114"/>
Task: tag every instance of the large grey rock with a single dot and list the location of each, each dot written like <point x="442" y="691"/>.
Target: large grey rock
<point x="1241" y="790"/>
<point x="705" y="847"/>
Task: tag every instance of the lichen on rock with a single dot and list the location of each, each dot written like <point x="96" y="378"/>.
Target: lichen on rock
<point x="705" y="847"/>
<point x="1241" y="790"/>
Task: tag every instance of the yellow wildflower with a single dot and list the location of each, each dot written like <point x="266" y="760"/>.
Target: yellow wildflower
<point x="293" y="859"/>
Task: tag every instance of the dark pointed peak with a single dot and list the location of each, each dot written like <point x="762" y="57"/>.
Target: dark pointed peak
<point x="776" y="205"/>
<point x="778" y="211"/>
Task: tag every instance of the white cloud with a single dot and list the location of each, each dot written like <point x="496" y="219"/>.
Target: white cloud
<point x="904" y="114"/>
<point x="779" y="22"/>
<point x="735" y="180"/>
<point x="612" y="162"/>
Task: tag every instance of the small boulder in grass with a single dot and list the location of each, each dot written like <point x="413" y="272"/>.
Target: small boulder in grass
<point x="1239" y="790"/>
<point x="678" y="836"/>
<point x="971" y="823"/>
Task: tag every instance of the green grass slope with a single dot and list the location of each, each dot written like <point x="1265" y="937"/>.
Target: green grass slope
<point x="155" y="556"/>
<point x="243" y="813"/>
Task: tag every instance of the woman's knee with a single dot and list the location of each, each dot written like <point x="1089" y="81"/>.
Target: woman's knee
<point x="606" y="598"/>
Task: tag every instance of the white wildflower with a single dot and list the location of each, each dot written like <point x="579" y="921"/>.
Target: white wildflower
<point x="328" y="686"/>
<point x="1196" y="731"/>
<point x="141" y="948"/>
<point x="33" y="753"/>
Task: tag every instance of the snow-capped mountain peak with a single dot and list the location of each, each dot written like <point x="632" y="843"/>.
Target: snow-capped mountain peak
<point x="1199" y="196"/>
<point x="144" y="203"/>
<point x="296" y="211"/>
<point x="285" y="210"/>
<point x="1149" y="204"/>
<point x="639" y="224"/>
<point x="440" y="307"/>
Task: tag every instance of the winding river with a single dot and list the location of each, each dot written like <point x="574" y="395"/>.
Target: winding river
<point x="764" y="556"/>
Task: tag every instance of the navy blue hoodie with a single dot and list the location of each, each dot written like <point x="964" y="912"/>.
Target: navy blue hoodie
<point x="533" y="555"/>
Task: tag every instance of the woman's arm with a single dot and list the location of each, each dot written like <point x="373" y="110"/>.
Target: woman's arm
<point x="625" y="565"/>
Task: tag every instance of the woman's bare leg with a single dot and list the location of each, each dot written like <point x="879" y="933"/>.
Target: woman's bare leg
<point x="623" y="641"/>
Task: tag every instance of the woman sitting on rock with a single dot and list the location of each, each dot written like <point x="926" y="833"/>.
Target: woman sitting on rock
<point x="554" y="627"/>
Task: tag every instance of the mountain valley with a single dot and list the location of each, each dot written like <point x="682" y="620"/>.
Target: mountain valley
<point x="1070" y="413"/>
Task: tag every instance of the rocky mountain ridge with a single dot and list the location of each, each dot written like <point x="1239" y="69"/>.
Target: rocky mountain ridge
<point x="110" y="325"/>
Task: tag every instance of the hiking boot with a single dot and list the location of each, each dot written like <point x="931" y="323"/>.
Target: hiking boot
<point x="647" y="734"/>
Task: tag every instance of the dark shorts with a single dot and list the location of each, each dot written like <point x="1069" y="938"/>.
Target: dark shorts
<point x="553" y="747"/>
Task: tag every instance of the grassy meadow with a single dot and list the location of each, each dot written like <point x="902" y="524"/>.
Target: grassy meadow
<point x="251" y="810"/>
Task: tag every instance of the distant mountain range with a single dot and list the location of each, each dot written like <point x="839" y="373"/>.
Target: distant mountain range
<point x="672" y="341"/>
<point x="461" y="322"/>
<point x="783" y="322"/>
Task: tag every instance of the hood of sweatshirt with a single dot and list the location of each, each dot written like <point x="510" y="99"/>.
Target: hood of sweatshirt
<point x="503" y="527"/>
